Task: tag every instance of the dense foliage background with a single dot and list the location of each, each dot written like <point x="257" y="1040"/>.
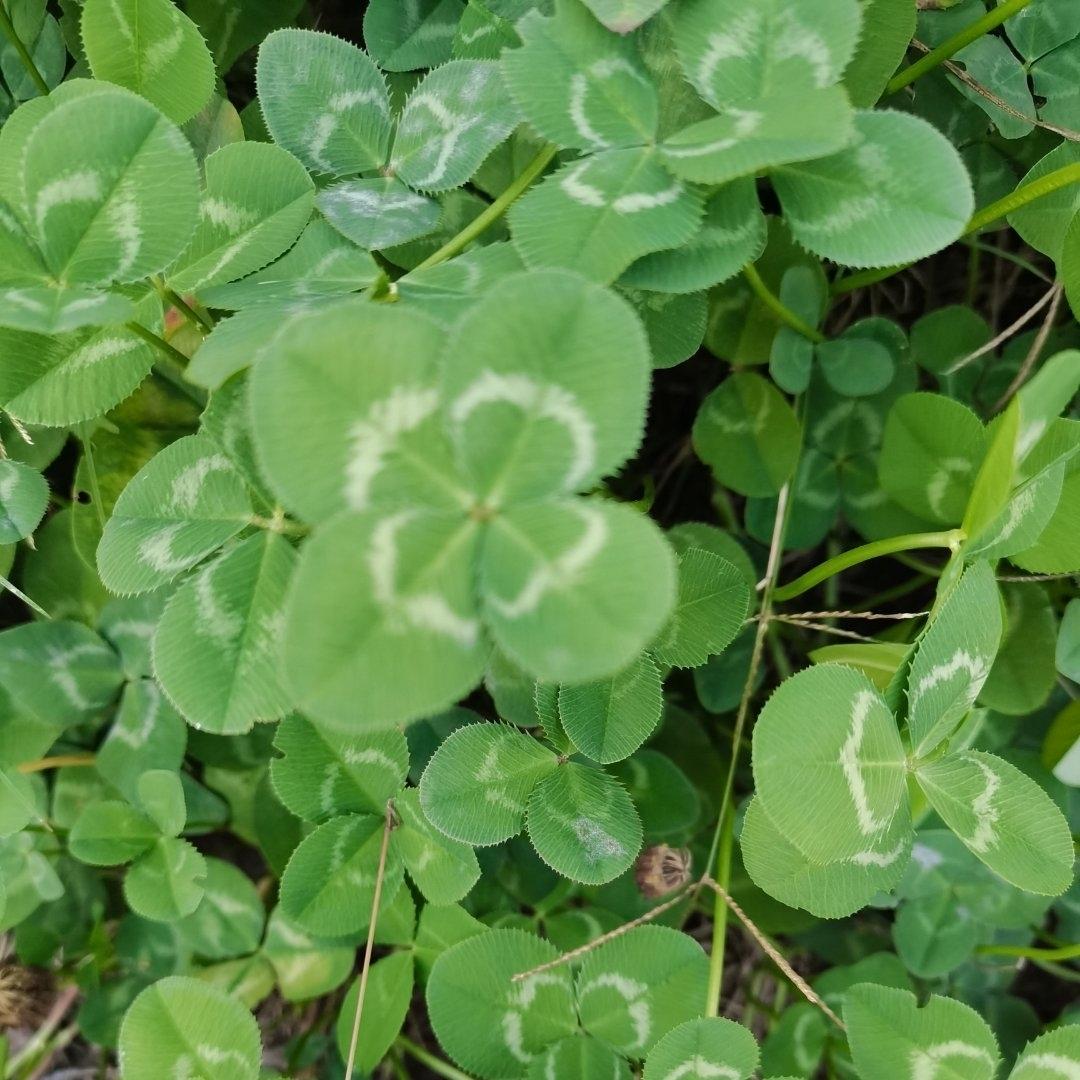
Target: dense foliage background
<point x="539" y="539"/>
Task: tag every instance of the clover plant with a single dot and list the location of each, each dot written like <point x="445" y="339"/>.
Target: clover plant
<point x="539" y="539"/>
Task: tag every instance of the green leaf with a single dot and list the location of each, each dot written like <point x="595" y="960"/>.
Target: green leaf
<point x="151" y="47"/>
<point x="453" y="119"/>
<point x="477" y="784"/>
<point x="378" y="213"/>
<point x="256" y="203"/>
<point x="326" y="772"/>
<point x="637" y="987"/>
<point x="548" y="387"/>
<point x="583" y="824"/>
<point x="731" y="234"/>
<point x="336" y="117"/>
<point x="331" y="433"/>
<point x="888" y="27"/>
<point x="609" y="720"/>
<point x="826" y="748"/>
<point x="181" y="507"/>
<point x="736" y="56"/>
<point x="486" y="1022"/>
<point x="953" y="658"/>
<point x="675" y="323"/>
<point x="411" y="593"/>
<point x="111" y="189"/>
<point x="1067" y="654"/>
<point x="182" y="1026"/>
<point x="1046" y="1057"/>
<point x="890" y="1035"/>
<point x="748" y="434"/>
<point x="827" y="888"/>
<point x="321" y="264"/>
<point x="1043" y="223"/>
<point x="701" y="1049"/>
<point x="217" y="649"/>
<point x="18" y="803"/>
<point x="329" y="884"/>
<point x="1004" y="817"/>
<point x="898" y="193"/>
<point x="166" y="883"/>
<point x="108" y="833"/>
<point x="934" y="935"/>
<point x="597" y="215"/>
<point x="713" y="603"/>
<point x="59" y="673"/>
<point x="232" y="28"/>
<point x="48" y="310"/>
<point x="552" y="584"/>
<point x="76" y="376"/>
<point x="1023" y="674"/>
<point x="229" y="919"/>
<point x="24" y="495"/>
<point x="930" y="456"/>
<point x="162" y="800"/>
<point x="306" y="966"/>
<point x="784" y="127"/>
<point x="416" y="37"/>
<point x="444" y="870"/>
<point x="622" y="16"/>
<point x="579" y="86"/>
<point x="579" y="1058"/>
<point x="386" y="1003"/>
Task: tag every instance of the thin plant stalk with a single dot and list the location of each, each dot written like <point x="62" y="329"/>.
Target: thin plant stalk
<point x="949" y="48"/>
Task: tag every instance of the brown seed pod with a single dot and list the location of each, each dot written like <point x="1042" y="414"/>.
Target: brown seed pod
<point x="26" y="995"/>
<point x="662" y="869"/>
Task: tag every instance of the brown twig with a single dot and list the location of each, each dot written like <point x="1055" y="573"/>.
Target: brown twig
<point x="582" y="950"/>
<point x="1005" y="334"/>
<point x="388" y="825"/>
<point x="985" y="92"/>
<point x="773" y="952"/>
<point x="1035" y="351"/>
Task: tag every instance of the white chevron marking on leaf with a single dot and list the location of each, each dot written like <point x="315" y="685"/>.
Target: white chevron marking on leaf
<point x="849" y="762"/>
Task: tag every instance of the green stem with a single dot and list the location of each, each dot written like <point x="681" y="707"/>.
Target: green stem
<point x="720" y="916"/>
<point x="784" y="314"/>
<point x="171" y="296"/>
<point x="495" y="211"/>
<point x="1024" y="194"/>
<point x="171" y="368"/>
<point x="1065" y="952"/>
<point x="92" y="473"/>
<point x="890" y="546"/>
<point x="948" y="49"/>
<point x="435" y="1064"/>
<point x="5" y="584"/>
<point x="8" y="27"/>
